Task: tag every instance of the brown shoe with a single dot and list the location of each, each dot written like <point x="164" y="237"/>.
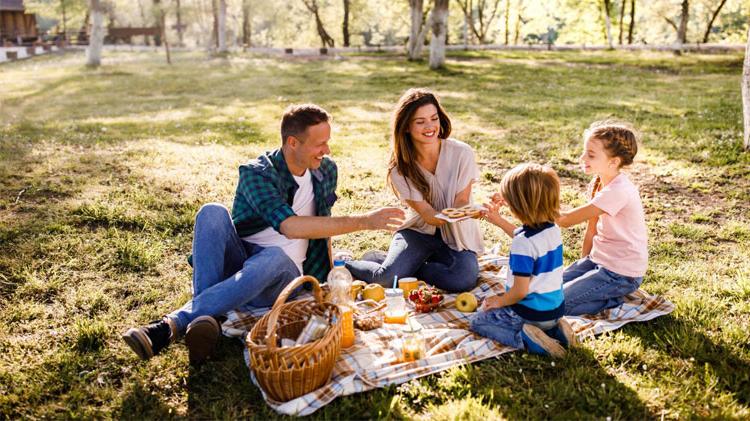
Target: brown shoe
<point x="201" y="338"/>
<point x="567" y="332"/>
<point x="537" y="342"/>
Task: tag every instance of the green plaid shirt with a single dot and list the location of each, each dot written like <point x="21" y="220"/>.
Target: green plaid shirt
<point x="264" y="197"/>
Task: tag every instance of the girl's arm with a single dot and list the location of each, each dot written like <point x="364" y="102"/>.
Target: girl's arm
<point x="588" y="238"/>
<point x="427" y="212"/>
<point x="578" y="215"/>
<point x="517" y="292"/>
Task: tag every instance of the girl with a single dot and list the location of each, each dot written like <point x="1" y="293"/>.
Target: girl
<point x="430" y="172"/>
<point x="615" y="252"/>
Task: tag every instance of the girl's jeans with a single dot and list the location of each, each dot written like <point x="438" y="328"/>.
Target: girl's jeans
<point x="424" y="256"/>
<point x="590" y="288"/>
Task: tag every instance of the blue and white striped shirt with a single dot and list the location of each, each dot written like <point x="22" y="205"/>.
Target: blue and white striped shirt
<point x="538" y="254"/>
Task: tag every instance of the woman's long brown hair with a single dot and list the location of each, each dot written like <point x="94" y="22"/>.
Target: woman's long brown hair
<point x="404" y="154"/>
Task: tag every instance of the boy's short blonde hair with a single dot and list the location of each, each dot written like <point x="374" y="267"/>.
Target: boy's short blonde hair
<point x="532" y="192"/>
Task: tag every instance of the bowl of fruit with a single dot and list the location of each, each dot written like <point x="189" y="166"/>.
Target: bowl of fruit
<point x="426" y="299"/>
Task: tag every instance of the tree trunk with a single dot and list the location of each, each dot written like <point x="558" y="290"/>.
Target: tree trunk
<point x="345" y="25"/>
<point x="711" y="22"/>
<point x="64" y="21"/>
<point x="631" y="25"/>
<point x="222" y="26"/>
<point x="94" y="50"/>
<point x="622" y="17"/>
<point x="746" y="93"/>
<point x="215" y="29"/>
<point x="246" y="23"/>
<point x="507" y="21"/>
<point x="682" y="30"/>
<point x="519" y="21"/>
<point x="414" y="46"/>
<point x="163" y="25"/>
<point x="156" y="13"/>
<point x="180" y="40"/>
<point x="325" y="39"/>
<point x="439" y="31"/>
<point x="607" y="24"/>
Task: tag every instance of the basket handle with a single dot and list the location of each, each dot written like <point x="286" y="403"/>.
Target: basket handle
<point x="276" y="310"/>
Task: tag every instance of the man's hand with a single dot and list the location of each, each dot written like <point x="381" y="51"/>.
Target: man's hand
<point x="492" y="302"/>
<point x="385" y="219"/>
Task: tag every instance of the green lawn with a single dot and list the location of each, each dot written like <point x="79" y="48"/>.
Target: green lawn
<point x="102" y="171"/>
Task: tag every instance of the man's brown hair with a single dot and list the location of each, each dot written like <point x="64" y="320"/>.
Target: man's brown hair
<point x="297" y="118"/>
<point x="532" y="192"/>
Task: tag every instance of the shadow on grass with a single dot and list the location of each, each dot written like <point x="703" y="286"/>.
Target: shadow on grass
<point x="713" y="360"/>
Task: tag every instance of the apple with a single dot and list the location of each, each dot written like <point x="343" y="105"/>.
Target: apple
<point x="373" y="292"/>
<point x="357" y="287"/>
<point x="466" y="302"/>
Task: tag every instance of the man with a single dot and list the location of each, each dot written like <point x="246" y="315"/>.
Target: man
<point x="279" y="229"/>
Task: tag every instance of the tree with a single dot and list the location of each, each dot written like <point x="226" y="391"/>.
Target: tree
<point x="622" y="18"/>
<point x="682" y="27"/>
<point x="325" y="39"/>
<point x="485" y="11"/>
<point x="345" y="24"/>
<point x="746" y="92"/>
<point x="179" y="26"/>
<point x="711" y="22"/>
<point x="507" y="21"/>
<point x="520" y="21"/>
<point x="246" y="23"/>
<point x="607" y="23"/>
<point x="439" y="23"/>
<point x="416" y="36"/>
<point x="631" y="24"/>
<point x="222" y="26"/>
<point x="94" y="50"/>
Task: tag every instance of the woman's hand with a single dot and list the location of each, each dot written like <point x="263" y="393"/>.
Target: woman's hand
<point x="434" y="220"/>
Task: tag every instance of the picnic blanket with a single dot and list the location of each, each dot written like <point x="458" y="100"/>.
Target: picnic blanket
<point x="373" y="360"/>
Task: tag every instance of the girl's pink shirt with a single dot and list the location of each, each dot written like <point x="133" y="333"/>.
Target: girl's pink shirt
<point x="621" y="240"/>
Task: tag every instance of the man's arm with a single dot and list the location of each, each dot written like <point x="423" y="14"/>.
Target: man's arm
<point x="313" y="227"/>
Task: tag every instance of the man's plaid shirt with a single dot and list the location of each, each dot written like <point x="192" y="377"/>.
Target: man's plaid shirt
<point x="264" y="197"/>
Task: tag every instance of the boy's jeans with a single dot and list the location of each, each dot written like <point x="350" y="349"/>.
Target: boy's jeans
<point x="425" y="256"/>
<point x="590" y="288"/>
<point x="228" y="272"/>
<point x="504" y="325"/>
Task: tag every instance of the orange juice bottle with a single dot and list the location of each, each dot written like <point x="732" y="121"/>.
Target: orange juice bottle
<point x="340" y="281"/>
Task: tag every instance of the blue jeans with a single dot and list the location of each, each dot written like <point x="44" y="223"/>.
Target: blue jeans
<point x="590" y="288"/>
<point x="504" y="325"/>
<point x="422" y="255"/>
<point x="229" y="272"/>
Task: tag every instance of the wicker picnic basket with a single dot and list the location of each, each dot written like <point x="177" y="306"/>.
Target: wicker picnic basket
<point x="285" y="373"/>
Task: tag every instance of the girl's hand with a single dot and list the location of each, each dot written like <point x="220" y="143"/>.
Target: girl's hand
<point x="498" y="199"/>
<point x="491" y="302"/>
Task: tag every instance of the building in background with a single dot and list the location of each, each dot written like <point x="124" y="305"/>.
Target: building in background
<point x="16" y="26"/>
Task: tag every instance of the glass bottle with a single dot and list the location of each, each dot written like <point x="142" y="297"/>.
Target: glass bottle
<point x="412" y="344"/>
<point x="395" y="310"/>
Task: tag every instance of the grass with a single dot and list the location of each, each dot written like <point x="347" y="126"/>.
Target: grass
<point x="102" y="171"/>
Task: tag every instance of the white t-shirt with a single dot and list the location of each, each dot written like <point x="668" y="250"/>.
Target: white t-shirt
<point x="303" y="205"/>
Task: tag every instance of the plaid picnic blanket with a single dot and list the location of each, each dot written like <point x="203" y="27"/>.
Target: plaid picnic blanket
<point x="373" y="360"/>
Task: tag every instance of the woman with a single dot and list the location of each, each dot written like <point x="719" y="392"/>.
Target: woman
<point x="430" y="172"/>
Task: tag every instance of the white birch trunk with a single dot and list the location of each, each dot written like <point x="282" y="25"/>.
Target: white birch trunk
<point x="94" y="50"/>
<point x="414" y="46"/>
<point x="746" y="92"/>
<point x="222" y="24"/>
<point x="439" y="30"/>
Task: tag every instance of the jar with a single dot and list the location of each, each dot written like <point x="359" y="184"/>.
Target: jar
<point x="395" y="310"/>
<point x="412" y="343"/>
